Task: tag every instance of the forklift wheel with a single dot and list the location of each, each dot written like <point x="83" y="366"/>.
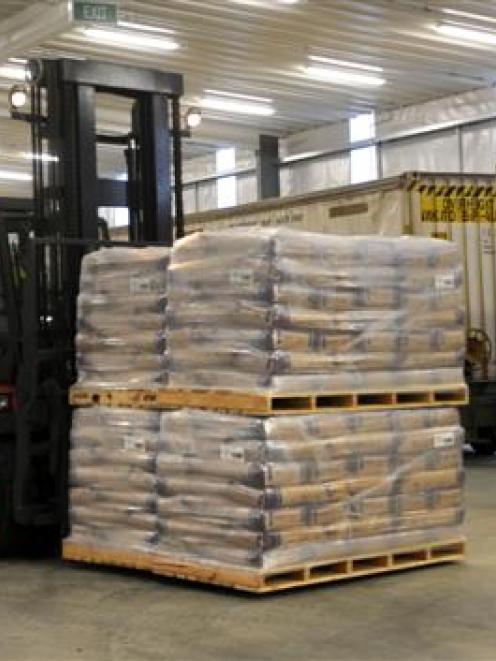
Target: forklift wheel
<point x="7" y="528"/>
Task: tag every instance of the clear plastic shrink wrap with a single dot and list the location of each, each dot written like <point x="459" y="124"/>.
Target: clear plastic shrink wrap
<point x="297" y="311"/>
<point x="113" y="478"/>
<point x="266" y="493"/>
<point x="121" y="318"/>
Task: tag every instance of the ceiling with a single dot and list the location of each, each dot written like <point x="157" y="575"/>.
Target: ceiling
<point x="9" y="7"/>
<point x="258" y="48"/>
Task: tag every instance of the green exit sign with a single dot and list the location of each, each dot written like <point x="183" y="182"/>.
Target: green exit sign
<point x="95" y="12"/>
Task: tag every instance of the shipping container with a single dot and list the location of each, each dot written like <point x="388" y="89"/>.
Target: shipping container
<point x="456" y="207"/>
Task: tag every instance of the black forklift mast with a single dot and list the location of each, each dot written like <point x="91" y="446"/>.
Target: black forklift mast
<point x="67" y="194"/>
<point x="68" y="90"/>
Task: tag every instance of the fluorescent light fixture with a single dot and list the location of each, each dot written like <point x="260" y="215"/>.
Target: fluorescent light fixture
<point x="9" y="175"/>
<point x="341" y="77"/>
<point x="18" y="60"/>
<point x="237" y="105"/>
<point x="466" y="14"/>
<point x="342" y="63"/>
<point x="144" y="28"/>
<point x="46" y="158"/>
<point x="301" y="156"/>
<point x="12" y="72"/>
<point x="466" y="34"/>
<point x="126" y="39"/>
<point x="235" y="95"/>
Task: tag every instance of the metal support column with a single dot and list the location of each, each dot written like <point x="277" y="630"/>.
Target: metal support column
<point x="268" y="183"/>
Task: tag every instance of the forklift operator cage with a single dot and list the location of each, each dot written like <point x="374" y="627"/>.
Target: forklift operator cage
<point x="457" y="207"/>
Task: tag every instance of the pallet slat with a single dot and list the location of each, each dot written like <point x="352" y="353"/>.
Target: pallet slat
<point x="261" y="582"/>
<point x="251" y="403"/>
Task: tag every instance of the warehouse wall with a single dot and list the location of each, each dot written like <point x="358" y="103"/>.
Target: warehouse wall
<point x="453" y="134"/>
<point x="201" y="181"/>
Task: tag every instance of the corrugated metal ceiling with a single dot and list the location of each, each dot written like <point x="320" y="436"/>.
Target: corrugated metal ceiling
<point x="258" y="47"/>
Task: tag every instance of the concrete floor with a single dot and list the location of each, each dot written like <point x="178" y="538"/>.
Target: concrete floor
<point x="54" y="612"/>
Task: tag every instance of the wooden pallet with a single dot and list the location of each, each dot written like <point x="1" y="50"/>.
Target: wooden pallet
<point x="252" y="403"/>
<point x="262" y="582"/>
<point x="100" y="556"/>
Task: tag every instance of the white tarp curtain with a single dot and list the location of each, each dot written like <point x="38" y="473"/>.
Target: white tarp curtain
<point x="298" y="178"/>
<point x="437" y="152"/>
<point x="206" y="195"/>
<point x="246" y="189"/>
<point x="189" y="199"/>
<point x="479" y="148"/>
<point x="451" y="110"/>
<point x="199" y="167"/>
<point x="323" y="138"/>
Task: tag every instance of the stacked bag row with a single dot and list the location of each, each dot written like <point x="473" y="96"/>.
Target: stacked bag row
<point x="113" y="478"/>
<point x="302" y="312"/>
<point x="264" y="492"/>
<point x="122" y="300"/>
<point x="269" y="492"/>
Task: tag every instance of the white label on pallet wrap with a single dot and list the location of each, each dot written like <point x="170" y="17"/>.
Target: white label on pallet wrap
<point x="230" y="452"/>
<point x="131" y="442"/>
<point x="445" y="439"/>
<point x="445" y="281"/>
<point x="241" y="277"/>
<point x="140" y="285"/>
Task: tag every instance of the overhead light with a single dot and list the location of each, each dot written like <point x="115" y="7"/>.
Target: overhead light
<point x="235" y="95"/>
<point x="9" y="175"/>
<point x="144" y="28"/>
<point x="342" y="63"/>
<point x="18" y="97"/>
<point x="341" y="77"/>
<point x="301" y="156"/>
<point x="125" y="39"/>
<point x="239" y="106"/>
<point x="46" y="158"/>
<point x="466" y="34"/>
<point x="193" y="118"/>
<point x="12" y="72"/>
<point x="467" y="14"/>
<point x="18" y="60"/>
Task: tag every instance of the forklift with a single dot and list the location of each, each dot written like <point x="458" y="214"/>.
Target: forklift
<point x="42" y="242"/>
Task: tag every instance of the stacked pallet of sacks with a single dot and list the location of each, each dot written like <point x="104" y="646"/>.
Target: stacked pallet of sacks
<point x="291" y="312"/>
<point x="121" y="318"/>
<point x="295" y="311"/>
<point x="120" y="344"/>
<point x="265" y="493"/>
<point x="113" y="478"/>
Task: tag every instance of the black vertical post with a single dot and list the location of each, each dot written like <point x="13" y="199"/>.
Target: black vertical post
<point x="268" y="167"/>
<point x="152" y="114"/>
<point x="80" y="161"/>
<point x="178" y="166"/>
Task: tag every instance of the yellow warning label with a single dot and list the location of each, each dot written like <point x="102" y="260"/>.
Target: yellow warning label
<point x="450" y="203"/>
